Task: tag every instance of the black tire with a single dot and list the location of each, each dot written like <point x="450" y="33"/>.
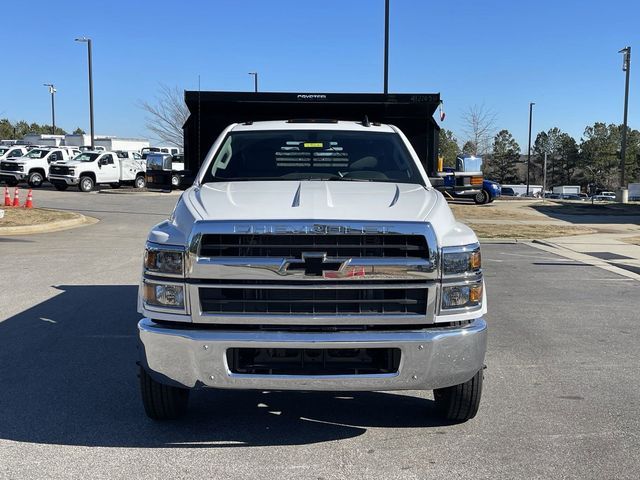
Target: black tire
<point x="11" y="182"/>
<point x="175" y="181"/>
<point x="36" y="179"/>
<point x="460" y="402"/>
<point x="482" y="197"/>
<point x="162" y="402"/>
<point x="115" y="185"/>
<point x="140" y="182"/>
<point x="61" y="187"/>
<point x="86" y="184"/>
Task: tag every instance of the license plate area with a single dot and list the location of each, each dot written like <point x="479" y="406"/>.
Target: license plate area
<point x="313" y="361"/>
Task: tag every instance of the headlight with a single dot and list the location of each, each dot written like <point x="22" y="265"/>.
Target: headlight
<point x="164" y="295"/>
<point x="461" y="260"/>
<point x="164" y="260"/>
<point x="462" y="296"/>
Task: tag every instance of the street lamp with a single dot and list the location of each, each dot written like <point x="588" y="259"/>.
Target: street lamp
<point x="626" y="67"/>
<point x="386" y="47"/>
<point x="88" y="42"/>
<point x="52" y="91"/>
<point x="255" y="81"/>
<point x="531" y="104"/>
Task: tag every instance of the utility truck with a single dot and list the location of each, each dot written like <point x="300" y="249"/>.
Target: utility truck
<point x="33" y="167"/>
<point x="92" y="168"/>
<point x="168" y="170"/>
<point x="312" y="253"/>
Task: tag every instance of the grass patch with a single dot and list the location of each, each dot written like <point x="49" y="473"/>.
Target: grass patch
<point x="488" y="230"/>
<point x="502" y="211"/>
<point x="20" y="217"/>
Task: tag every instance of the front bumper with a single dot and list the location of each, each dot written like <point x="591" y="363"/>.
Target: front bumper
<point x="430" y="358"/>
<point x="63" y="179"/>
<point x="4" y="175"/>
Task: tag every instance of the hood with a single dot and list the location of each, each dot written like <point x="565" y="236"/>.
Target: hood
<point x="306" y="200"/>
<point x="70" y="163"/>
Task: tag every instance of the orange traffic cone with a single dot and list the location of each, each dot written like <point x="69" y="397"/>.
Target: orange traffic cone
<point x="7" y="198"/>
<point x="29" y="202"/>
<point x="16" y="197"/>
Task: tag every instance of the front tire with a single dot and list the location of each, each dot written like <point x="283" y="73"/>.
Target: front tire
<point x="482" y="197"/>
<point x="460" y="402"/>
<point x="140" y="182"/>
<point x="175" y="181"/>
<point x="35" y="179"/>
<point x="86" y="184"/>
<point x="162" y="402"/>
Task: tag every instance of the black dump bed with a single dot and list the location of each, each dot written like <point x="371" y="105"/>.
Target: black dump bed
<point x="212" y="112"/>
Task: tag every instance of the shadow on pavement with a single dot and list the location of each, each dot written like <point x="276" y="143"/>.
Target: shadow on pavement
<point x="585" y="212"/>
<point x="68" y="376"/>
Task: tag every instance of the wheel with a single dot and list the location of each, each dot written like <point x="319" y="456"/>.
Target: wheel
<point x="460" y="402"/>
<point x="482" y="197"/>
<point x="61" y="187"/>
<point x="115" y="185"/>
<point x="11" y="182"/>
<point x="162" y="402"/>
<point x="86" y="184"/>
<point x="35" y="179"/>
<point x="140" y="182"/>
<point x="175" y="181"/>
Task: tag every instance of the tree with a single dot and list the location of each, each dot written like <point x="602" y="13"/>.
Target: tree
<point x="479" y="127"/>
<point x="599" y="152"/>
<point x="448" y="147"/>
<point x="79" y="131"/>
<point x="562" y="157"/>
<point x="502" y="166"/>
<point x="469" y="148"/>
<point x="167" y="115"/>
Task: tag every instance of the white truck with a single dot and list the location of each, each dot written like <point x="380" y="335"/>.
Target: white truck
<point x="312" y="255"/>
<point x="92" y="168"/>
<point x="33" y="167"/>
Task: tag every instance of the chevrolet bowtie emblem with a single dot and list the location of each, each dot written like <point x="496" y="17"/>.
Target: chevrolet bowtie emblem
<point x="314" y="263"/>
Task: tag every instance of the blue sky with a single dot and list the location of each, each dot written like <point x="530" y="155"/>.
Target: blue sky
<point x="560" y="54"/>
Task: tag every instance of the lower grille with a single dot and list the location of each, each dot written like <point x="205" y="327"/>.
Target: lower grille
<point x="292" y="301"/>
<point x="313" y="361"/>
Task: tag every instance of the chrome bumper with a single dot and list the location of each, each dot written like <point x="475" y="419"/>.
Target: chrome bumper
<point x="62" y="178"/>
<point x="430" y="358"/>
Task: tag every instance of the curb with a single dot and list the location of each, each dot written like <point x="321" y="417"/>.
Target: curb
<point x="505" y="241"/>
<point x="56" y="226"/>
<point x="146" y="193"/>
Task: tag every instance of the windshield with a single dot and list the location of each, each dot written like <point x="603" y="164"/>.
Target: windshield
<point x="86" y="157"/>
<point x="37" y="153"/>
<point x="3" y="150"/>
<point x="313" y="155"/>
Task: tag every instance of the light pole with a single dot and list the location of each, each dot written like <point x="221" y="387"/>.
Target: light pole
<point x="531" y="104"/>
<point x="255" y="81"/>
<point x="626" y="67"/>
<point x="88" y="42"/>
<point x="52" y="91"/>
<point x="386" y="46"/>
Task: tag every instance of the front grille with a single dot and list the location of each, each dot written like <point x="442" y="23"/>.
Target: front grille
<point x="57" y="170"/>
<point x="11" y="167"/>
<point x="313" y="361"/>
<point x="293" y="246"/>
<point x="310" y="301"/>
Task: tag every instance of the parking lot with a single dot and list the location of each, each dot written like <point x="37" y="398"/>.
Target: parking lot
<point x="560" y="401"/>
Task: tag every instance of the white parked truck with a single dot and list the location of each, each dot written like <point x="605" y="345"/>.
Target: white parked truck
<point x="92" y="168"/>
<point x="33" y="167"/>
<point x="312" y="255"/>
<point x="567" y="190"/>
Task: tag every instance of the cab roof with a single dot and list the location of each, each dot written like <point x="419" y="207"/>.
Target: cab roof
<point x="311" y="124"/>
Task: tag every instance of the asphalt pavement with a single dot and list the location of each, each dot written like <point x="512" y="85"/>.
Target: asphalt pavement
<point x="561" y="398"/>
